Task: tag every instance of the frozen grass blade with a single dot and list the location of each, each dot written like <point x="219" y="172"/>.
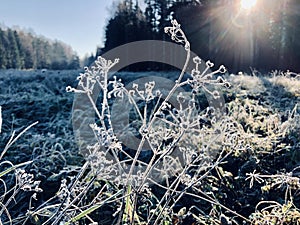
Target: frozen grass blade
<point x="13" y="140"/>
<point x="13" y="167"/>
<point x="93" y="208"/>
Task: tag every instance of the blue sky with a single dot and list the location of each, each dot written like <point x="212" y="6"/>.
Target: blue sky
<point x="79" y="23"/>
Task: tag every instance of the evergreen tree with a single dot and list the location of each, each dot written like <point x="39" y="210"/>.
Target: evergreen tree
<point x="9" y="48"/>
<point x="14" y="50"/>
<point x="151" y="18"/>
<point x="163" y="15"/>
<point x="20" y="50"/>
<point x="127" y="25"/>
<point x="26" y="40"/>
<point x="3" y="61"/>
<point x="158" y="16"/>
<point x="293" y="30"/>
<point x="75" y="63"/>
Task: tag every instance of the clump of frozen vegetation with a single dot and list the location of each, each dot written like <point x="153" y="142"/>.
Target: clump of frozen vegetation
<point x="185" y="143"/>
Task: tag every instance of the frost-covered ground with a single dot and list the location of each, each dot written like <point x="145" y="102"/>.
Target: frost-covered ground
<point x="267" y="108"/>
<point x="40" y="95"/>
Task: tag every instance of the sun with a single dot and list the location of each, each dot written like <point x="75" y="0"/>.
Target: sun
<point x="247" y="4"/>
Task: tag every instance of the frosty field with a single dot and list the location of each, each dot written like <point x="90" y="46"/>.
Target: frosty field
<point x="257" y="182"/>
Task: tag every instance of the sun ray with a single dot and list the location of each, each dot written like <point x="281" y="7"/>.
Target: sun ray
<point x="247" y="4"/>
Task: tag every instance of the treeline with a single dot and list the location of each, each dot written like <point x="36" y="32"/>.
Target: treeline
<point x="264" y="38"/>
<point x="24" y="50"/>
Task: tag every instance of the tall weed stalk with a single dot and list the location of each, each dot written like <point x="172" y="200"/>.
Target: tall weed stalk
<point x="185" y="143"/>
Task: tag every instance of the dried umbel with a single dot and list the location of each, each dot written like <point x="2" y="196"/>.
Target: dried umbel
<point x="154" y="132"/>
<point x="165" y="128"/>
<point x="26" y="181"/>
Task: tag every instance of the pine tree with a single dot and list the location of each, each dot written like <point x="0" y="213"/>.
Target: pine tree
<point x="158" y="15"/>
<point x="293" y="30"/>
<point x="75" y="63"/>
<point x="127" y="25"/>
<point x="2" y="50"/>
<point x="151" y="17"/>
<point x="26" y="40"/>
<point x="20" y="50"/>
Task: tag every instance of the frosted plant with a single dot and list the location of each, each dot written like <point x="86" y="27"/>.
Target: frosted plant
<point x="179" y="143"/>
<point x="14" y="181"/>
<point x="26" y="181"/>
